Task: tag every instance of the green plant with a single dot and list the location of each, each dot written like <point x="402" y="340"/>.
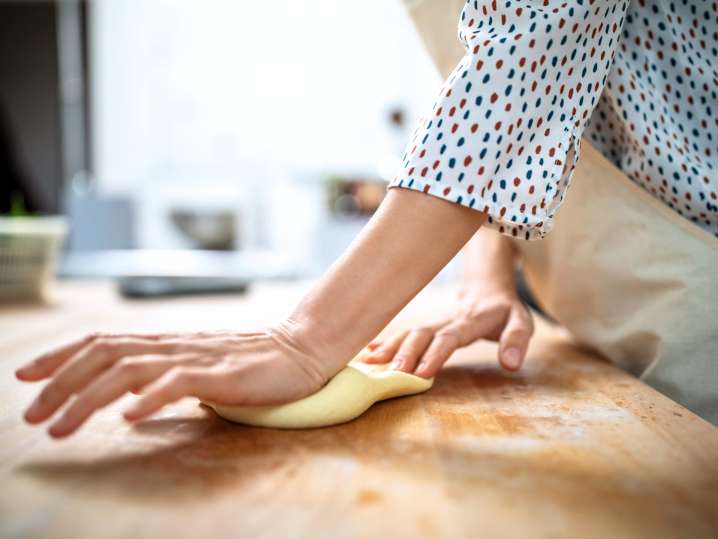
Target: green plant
<point x="17" y="206"/>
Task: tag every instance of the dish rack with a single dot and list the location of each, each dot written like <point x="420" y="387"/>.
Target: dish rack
<point x="28" y="255"/>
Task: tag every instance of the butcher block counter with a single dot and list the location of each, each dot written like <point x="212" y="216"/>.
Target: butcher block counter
<point x="570" y="446"/>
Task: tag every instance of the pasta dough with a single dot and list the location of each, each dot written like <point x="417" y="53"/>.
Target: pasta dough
<point x="345" y="397"/>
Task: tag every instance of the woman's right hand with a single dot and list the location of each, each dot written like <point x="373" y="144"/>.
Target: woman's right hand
<point x="239" y="368"/>
<point x="495" y="314"/>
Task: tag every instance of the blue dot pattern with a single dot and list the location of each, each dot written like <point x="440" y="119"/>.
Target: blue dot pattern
<point x="503" y="136"/>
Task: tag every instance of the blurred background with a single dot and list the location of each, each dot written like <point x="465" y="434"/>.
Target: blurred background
<point x="200" y="144"/>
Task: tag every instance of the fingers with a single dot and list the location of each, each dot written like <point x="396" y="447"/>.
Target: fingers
<point x="46" y="364"/>
<point x="515" y="337"/>
<point x="438" y="353"/>
<point x="387" y="349"/>
<point x="111" y="385"/>
<point x="85" y="366"/>
<point x="174" y="385"/>
<point x="517" y="327"/>
<point x="459" y="333"/>
<point x="411" y="349"/>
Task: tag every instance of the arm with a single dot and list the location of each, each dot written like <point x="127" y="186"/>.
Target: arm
<point x="503" y="134"/>
<point x="497" y="165"/>
<point x="489" y="263"/>
<point x="405" y="244"/>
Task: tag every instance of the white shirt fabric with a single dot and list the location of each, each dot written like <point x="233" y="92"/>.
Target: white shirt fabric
<point x="638" y="78"/>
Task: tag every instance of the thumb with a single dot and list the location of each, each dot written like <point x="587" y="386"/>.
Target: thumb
<point x="514" y="339"/>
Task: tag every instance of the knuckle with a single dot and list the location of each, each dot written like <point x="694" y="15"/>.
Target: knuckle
<point x="407" y="353"/>
<point x="95" y="336"/>
<point x="187" y="378"/>
<point x="448" y="335"/>
<point x="423" y="330"/>
<point x="100" y="345"/>
<point x="407" y="349"/>
<point x="161" y="393"/>
<point x="521" y="333"/>
<point x="406" y="357"/>
<point x="172" y="376"/>
<point x="91" y="337"/>
<point x="129" y="366"/>
<point x="478" y="312"/>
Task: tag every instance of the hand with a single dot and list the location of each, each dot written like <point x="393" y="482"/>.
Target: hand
<point x="230" y="368"/>
<point x="497" y="316"/>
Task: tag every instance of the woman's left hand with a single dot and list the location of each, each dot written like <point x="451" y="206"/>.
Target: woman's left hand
<point x="231" y="368"/>
<point x="494" y="313"/>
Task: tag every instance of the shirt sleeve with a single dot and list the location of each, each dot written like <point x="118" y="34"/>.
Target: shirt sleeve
<point x="503" y="136"/>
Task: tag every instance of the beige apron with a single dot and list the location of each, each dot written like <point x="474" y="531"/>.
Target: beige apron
<point x="624" y="273"/>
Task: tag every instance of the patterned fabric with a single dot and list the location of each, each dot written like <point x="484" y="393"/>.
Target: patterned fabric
<point x="638" y="78"/>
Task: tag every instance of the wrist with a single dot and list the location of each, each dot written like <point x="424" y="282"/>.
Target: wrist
<point x="489" y="264"/>
<point x="311" y="343"/>
<point x="489" y="285"/>
<point x="378" y="274"/>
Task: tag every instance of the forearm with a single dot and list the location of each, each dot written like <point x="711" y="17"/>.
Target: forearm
<point x="489" y="262"/>
<point x="407" y="242"/>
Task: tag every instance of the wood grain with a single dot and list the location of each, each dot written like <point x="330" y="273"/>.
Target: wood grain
<point x="569" y="447"/>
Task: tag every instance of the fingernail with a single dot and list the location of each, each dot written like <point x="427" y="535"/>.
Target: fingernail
<point x="32" y="414"/>
<point x="512" y="358"/>
<point x="57" y="430"/>
<point x="22" y="371"/>
<point x="421" y="370"/>
<point x="132" y="413"/>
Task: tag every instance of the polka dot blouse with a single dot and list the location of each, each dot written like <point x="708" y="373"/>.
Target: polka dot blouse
<point x="639" y="79"/>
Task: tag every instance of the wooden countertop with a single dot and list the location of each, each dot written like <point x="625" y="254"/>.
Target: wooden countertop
<point x="569" y="447"/>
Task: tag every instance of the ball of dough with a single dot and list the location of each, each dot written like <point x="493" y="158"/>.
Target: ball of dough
<point x="345" y="397"/>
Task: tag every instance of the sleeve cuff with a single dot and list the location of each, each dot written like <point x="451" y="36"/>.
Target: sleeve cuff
<point x="505" y="216"/>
